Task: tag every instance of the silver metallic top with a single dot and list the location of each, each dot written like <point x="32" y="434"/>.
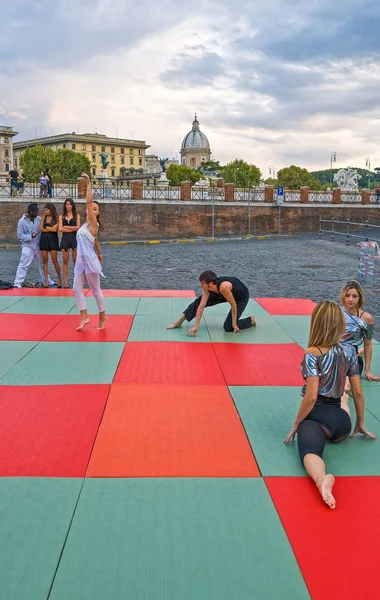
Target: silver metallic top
<point x="357" y="330"/>
<point x="331" y="368"/>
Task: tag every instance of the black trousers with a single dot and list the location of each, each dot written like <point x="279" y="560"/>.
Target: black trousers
<point x="214" y="299"/>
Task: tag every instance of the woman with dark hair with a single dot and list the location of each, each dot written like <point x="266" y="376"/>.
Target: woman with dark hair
<point x="68" y="225"/>
<point x="49" y="242"/>
<point x="88" y="266"/>
<point x="324" y="414"/>
<point x="359" y="326"/>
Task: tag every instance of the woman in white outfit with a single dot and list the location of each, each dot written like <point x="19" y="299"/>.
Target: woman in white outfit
<point x="88" y="266"/>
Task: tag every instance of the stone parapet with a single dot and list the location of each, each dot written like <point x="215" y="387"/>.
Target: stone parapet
<point x="229" y="192"/>
<point x="304" y="194"/>
<point x="269" y="193"/>
<point x="337" y="196"/>
<point x="136" y="190"/>
<point x="186" y="191"/>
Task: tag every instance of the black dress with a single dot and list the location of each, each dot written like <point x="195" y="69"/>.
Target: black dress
<point x="69" y="239"/>
<point x="49" y="239"/>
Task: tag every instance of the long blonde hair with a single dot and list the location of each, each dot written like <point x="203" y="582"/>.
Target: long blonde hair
<point x="327" y="325"/>
<point x="353" y="285"/>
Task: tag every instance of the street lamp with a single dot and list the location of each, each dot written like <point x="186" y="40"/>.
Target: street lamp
<point x="368" y="165"/>
<point x="332" y="159"/>
<point x="272" y="172"/>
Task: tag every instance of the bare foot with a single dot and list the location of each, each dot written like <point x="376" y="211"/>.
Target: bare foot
<point x="325" y="490"/>
<point x="176" y="324"/>
<point x="83" y="323"/>
<point x="102" y="323"/>
<point x="253" y="321"/>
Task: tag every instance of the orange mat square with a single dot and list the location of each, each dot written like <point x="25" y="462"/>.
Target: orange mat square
<point x="20" y="327"/>
<point x="316" y="533"/>
<point x="49" y="431"/>
<point x="171" y="431"/>
<point x="149" y="293"/>
<point x="117" y="329"/>
<point x="287" y="306"/>
<point x="260" y="364"/>
<point x="169" y="362"/>
<point x="49" y="292"/>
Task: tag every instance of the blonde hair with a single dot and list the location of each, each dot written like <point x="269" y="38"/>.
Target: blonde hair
<point x="353" y="285"/>
<point x="327" y="325"/>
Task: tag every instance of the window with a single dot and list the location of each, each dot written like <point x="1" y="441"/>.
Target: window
<point x="103" y="148"/>
<point x="94" y="158"/>
<point x="140" y="161"/>
<point x="15" y="162"/>
<point x="6" y="153"/>
<point x="130" y="150"/>
<point x="63" y="145"/>
<point x="6" y="141"/>
<point x="7" y="166"/>
<point x="131" y="160"/>
<point x="140" y="152"/>
<point x="121" y="150"/>
<point x="94" y="171"/>
<point x="93" y="148"/>
<point x="84" y="147"/>
<point x="112" y="172"/>
<point x="112" y="159"/>
<point x="122" y="160"/>
<point x="112" y="150"/>
<point x="72" y="146"/>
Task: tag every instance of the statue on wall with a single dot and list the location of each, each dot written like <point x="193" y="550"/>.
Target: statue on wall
<point x="162" y="162"/>
<point x="103" y="158"/>
<point x="347" y="179"/>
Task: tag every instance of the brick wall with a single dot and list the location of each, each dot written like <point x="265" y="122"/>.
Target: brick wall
<point x="142" y="220"/>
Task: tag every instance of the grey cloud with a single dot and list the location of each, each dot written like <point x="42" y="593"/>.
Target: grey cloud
<point x="193" y="70"/>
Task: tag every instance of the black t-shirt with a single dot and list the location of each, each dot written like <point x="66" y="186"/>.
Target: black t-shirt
<point x="239" y="289"/>
<point x="13" y="174"/>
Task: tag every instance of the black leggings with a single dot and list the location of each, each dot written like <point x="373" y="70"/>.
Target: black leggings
<point x="323" y="423"/>
<point x="214" y="299"/>
<point x="360" y="360"/>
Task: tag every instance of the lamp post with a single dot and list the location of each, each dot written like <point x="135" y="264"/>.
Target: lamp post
<point x="368" y="165"/>
<point x="332" y="159"/>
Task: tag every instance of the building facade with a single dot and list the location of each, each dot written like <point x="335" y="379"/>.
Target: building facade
<point x="125" y="157"/>
<point x="195" y="148"/>
<point x="6" y="150"/>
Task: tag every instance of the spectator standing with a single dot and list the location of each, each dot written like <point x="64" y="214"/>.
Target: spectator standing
<point x="21" y="182"/>
<point x="43" y="185"/>
<point x="49" y="183"/>
<point x="13" y="179"/>
<point x="377" y="190"/>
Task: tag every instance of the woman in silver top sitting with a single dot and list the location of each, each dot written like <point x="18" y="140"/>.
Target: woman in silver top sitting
<point x="324" y="413"/>
<point x="359" y="325"/>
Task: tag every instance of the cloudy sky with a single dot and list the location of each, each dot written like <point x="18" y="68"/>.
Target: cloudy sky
<point x="275" y="82"/>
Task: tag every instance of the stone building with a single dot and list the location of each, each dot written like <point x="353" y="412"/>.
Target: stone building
<point x="195" y="148"/>
<point x="6" y="150"/>
<point x="126" y="157"/>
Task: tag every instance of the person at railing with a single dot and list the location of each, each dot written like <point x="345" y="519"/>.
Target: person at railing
<point x="49" y="242"/>
<point x="49" y="183"/>
<point x="324" y="414"/>
<point x="13" y="180"/>
<point x="21" y="182"/>
<point x="43" y="185"/>
<point x="215" y="291"/>
<point x="68" y="225"/>
<point x="359" y="326"/>
<point x="377" y="190"/>
<point x="29" y="235"/>
<point x="88" y="266"/>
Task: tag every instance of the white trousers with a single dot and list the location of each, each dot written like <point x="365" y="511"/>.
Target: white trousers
<point x="28" y="253"/>
<point x="93" y="280"/>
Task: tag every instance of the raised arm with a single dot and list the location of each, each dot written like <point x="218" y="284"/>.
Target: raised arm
<point x="93" y="224"/>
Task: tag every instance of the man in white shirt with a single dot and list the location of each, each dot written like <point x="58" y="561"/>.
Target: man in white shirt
<point x="29" y="235"/>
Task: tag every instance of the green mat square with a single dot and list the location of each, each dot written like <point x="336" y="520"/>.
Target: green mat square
<point x="114" y="306"/>
<point x="171" y="308"/>
<point x="252" y="308"/>
<point x="267" y="414"/>
<point x="371" y="390"/>
<point x="35" y="515"/>
<point x="152" y="328"/>
<point x="297" y="326"/>
<point x="60" y="363"/>
<point x="39" y="305"/>
<point x="11" y="353"/>
<point x="7" y="301"/>
<point x="267" y="331"/>
<point x="177" y="539"/>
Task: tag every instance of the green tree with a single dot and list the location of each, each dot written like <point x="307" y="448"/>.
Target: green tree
<point x="292" y="178"/>
<point x="210" y="165"/>
<point x="241" y="173"/>
<point x="65" y="165"/>
<point x="177" y="173"/>
<point x="271" y="181"/>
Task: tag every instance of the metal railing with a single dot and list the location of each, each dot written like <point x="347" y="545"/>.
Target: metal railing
<point x="347" y="231"/>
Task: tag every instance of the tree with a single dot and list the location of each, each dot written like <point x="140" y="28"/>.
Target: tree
<point x="210" y="166"/>
<point x="177" y="173"/>
<point x="65" y="165"/>
<point x="241" y="173"/>
<point x="292" y="178"/>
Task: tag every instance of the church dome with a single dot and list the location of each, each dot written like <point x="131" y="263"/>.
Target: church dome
<point x="195" y="139"/>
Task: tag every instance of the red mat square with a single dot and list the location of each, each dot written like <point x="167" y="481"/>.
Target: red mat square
<point x="49" y="292"/>
<point x="49" y="431"/>
<point x="337" y="550"/>
<point x="287" y="306"/>
<point x="26" y="327"/>
<point x="260" y="364"/>
<point x="171" y="431"/>
<point x="169" y="362"/>
<point x="117" y="329"/>
<point x="149" y="293"/>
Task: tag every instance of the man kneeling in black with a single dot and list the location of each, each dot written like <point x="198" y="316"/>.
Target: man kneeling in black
<point x="215" y="291"/>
